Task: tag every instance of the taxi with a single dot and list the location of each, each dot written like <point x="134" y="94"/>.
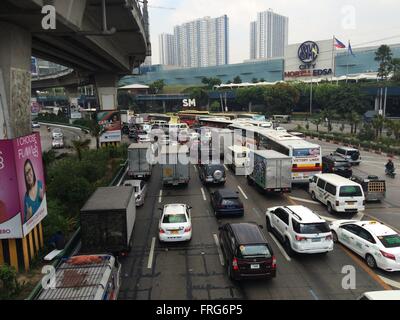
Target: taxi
<point x="375" y="242"/>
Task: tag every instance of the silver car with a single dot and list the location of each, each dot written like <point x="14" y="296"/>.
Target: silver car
<point x="140" y="188"/>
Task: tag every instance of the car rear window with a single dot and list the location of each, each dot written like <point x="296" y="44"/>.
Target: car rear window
<point x="213" y="168"/>
<point x="247" y="251"/>
<point x="230" y="202"/>
<point x="392" y="241"/>
<point x="174" y="218"/>
<point x="350" y="191"/>
<point x="310" y="228"/>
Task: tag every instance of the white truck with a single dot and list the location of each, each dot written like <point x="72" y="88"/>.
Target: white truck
<point x="140" y="160"/>
<point x="270" y="170"/>
<point x="175" y="165"/>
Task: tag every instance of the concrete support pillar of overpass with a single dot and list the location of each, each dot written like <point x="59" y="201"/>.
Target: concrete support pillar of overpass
<point x="15" y="81"/>
<point x="106" y="89"/>
<point x="72" y="94"/>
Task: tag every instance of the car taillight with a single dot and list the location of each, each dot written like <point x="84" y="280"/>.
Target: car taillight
<point x="299" y="238"/>
<point x="235" y="264"/>
<point x="337" y="203"/>
<point x="388" y="255"/>
<point x="162" y="231"/>
<point x="329" y="237"/>
<point x="273" y="262"/>
<point x="188" y="229"/>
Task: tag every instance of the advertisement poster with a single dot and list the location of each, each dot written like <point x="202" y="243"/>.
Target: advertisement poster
<point x="22" y="188"/>
<point x="110" y="122"/>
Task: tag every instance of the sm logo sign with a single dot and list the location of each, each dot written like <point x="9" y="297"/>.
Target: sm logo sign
<point x="189" y="102"/>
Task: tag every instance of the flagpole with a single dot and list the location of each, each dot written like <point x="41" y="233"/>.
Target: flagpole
<point x="348" y="56"/>
<point x="333" y="59"/>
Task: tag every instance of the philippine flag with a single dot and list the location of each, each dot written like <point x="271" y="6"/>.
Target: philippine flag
<point x="339" y="44"/>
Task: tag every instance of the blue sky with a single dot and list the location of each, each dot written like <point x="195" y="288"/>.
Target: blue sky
<point x="364" y="22"/>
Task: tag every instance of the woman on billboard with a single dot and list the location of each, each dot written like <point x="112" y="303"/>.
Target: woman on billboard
<point x="34" y="191"/>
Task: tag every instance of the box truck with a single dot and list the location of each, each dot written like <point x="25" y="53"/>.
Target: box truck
<point x="107" y="221"/>
<point x="270" y="170"/>
<point x="175" y="168"/>
<point x="140" y="160"/>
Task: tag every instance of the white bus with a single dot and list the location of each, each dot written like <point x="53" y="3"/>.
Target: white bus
<point x="306" y="156"/>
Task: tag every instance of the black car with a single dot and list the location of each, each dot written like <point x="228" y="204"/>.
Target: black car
<point x="247" y="252"/>
<point x="212" y="173"/>
<point x="337" y="165"/>
<point x="226" y="202"/>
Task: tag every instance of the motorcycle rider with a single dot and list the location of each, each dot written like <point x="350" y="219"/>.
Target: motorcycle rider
<point x="389" y="166"/>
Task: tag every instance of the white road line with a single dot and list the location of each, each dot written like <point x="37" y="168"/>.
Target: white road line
<point x="226" y="168"/>
<point x="303" y="200"/>
<point x="221" y="258"/>
<point x="314" y="295"/>
<point x="151" y="255"/>
<point x="280" y="247"/>
<point x="160" y="197"/>
<point x="204" y="194"/>
<point x="195" y="168"/>
<point x="390" y="282"/>
<point x="244" y="195"/>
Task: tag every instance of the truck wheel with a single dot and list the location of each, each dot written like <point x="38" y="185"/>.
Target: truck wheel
<point x="330" y="209"/>
<point x="250" y="181"/>
<point x="313" y="196"/>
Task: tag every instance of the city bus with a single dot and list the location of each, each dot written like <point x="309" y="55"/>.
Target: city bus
<point x="191" y="117"/>
<point x="306" y="156"/>
<point x="224" y="123"/>
<point x="153" y="117"/>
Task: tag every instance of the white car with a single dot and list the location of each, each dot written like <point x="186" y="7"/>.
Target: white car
<point x="140" y="188"/>
<point x="300" y="229"/>
<point x="381" y="295"/>
<point x="57" y="143"/>
<point x="375" y="242"/>
<point x="35" y="125"/>
<point x="194" y="136"/>
<point x="57" y="133"/>
<point x="175" y="224"/>
<point x="281" y="129"/>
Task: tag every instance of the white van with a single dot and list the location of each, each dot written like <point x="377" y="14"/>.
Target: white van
<point x="337" y="193"/>
<point x="237" y="157"/>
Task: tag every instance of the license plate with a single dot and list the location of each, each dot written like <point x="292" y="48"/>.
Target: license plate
<point x="255" y="266"/>
<point x="351" y="202"/>
<point x="175" y="232"/>
<point x="316" y="240"/>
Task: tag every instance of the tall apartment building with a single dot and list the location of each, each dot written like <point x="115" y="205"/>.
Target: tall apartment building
<point x="268" y="35"/>
<point x="167" y="49"/>
<point x="200" y="43"/>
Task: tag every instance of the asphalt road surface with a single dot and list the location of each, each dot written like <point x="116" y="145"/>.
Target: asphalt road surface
<point x="196" y="270"/>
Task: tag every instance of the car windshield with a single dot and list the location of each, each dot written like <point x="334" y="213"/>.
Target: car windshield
<point x="174" y="218"/>
<point x="350" y="191"/>
<point x="310" y="228"/>
<point x="392" y="241"/>
<point x="353" y="152"/>
<point x="254" y="251"/>
<point x="230" y="202"/>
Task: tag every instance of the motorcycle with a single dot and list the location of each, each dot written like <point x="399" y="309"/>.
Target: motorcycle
<point x="391" y="173"/>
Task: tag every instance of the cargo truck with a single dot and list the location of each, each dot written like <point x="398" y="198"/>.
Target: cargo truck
<point x="175" y="168"/>
<point x="140" y="160"/>
<point x="270" y="170"/>
<point x="107" y="221"/>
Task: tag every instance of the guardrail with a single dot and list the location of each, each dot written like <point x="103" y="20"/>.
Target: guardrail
<point x="73" y="243"/>
<point x="64" y="125"/>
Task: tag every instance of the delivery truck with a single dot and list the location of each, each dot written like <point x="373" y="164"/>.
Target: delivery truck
<point x="87" y="277"/>
<point x="140" y="160"/>
<point x="175" y="168"/>
<point x="107" y="221"/>
<point x="270" y="170"/>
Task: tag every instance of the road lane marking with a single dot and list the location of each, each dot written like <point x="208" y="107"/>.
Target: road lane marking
<point x="160" y="196"/>
<point x="195" y="168"/>
<point x="209" y="213"/>
<point x="226" y="168"/>
<point x="280" y="247"/>
<point x="390" y="282"/>
<point x="244" y="195"/>
<point x="314" y="295"/>
<point x="204" y="194"/>
<point x="221" y="258"/>
<point x="257" y="212"/>
<point x="303" y="200"/>
<point x="151" y="255"/>
<point x="367" y="269"/>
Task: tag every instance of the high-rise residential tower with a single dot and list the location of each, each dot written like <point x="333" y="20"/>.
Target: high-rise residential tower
<point x="268" y="35"/>
<point x="167" y="49"/>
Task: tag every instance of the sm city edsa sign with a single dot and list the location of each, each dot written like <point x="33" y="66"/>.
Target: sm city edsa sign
<point x="187" y="103"/>
<point x="308" y="53"/>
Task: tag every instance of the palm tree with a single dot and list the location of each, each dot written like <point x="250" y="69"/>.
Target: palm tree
<point x="384" y="56"/>
<point x="79" y="146"/>
<point x="96" y="131"/>
<point x="317" y="121"/>
<point x="354" y="119"/>
<point x="378" y="124"/>
<point x="394" y="126"/>
<point x="328" y="114"/>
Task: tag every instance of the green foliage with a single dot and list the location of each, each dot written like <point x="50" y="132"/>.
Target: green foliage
<point x="367" y="133"/>
<point x="51" y="117"/>
<point x="79" y="146"/>
<point x="198" y="93"/>
<point x="215" y="106"/>
<point x="157" y="86"/>
<point x="9" y="286"/>
<point x="280" y="98"/>
<point x="211" y="82"/>
<point x="237" y="80"/>
<point x="82" y="122"/>
<point x="384" y="56"/>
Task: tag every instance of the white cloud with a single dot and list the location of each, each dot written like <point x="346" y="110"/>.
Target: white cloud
<point x="308" y="19"/>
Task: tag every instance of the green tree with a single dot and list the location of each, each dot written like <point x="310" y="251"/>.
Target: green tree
<point x="215" y="106"/>
<point x="396" y="69"/>
<point x="79" y="146"/>
<point x="237" y="80"/>
<point x="254" y="80"/>
<point x="200" y="94"/>
<point x="328" y="114"/>
<point x="157" y="86"/>
<point x="317" y="122"/>
<point x="211" y="82"/>
<point x="378" y="123"/>
<point x="96" y="131"/>
<point x="281" y="98"/>
<point x="250" y="96"/>
<point x="384" y="56"/>
<point x="48" y="158"/>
